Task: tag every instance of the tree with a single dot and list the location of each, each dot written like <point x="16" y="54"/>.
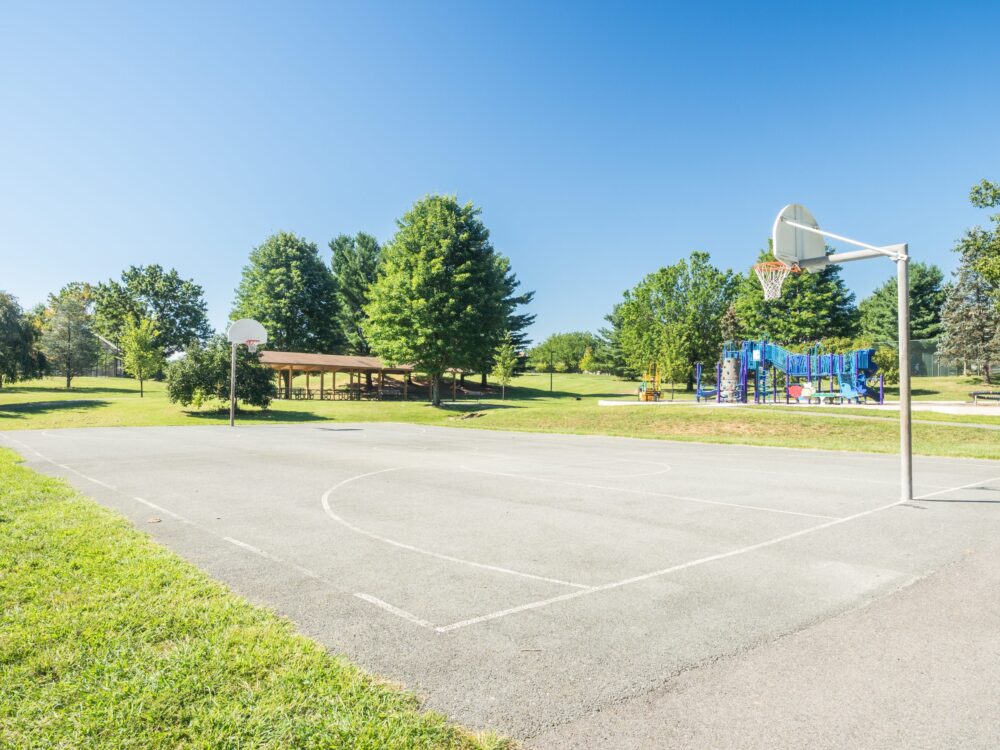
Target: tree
<point x="985" y="242"/>
<point x="355" y="269"/>
<point x="562" y="351"/>
<point x="504" y="362"/>
<point x="292" y="293"/>
<point x="69" y="344"/>
<point x="19" y="358"/>
<point x="587" y="360"/>
<point x="879" y="311"/>
<point x="970" y="319"/>
<point x="677" y="312"/>
<point x="142" y="356"/>
<point x="812" y="306"/>
<point x="609" y="353"/>
<point x="177" y="307"/>
<point x="517" y="322"/>
<point x="203" y="374"/>
<point x="439" y="301"/>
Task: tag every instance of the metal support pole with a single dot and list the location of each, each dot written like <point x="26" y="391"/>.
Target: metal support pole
<point x="905" y="433"/>
<point x="232" y="387"/>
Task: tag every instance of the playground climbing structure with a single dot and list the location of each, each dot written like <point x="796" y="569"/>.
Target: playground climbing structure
<point x="774" y="373"/>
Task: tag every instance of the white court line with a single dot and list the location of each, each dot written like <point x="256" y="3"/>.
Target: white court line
<point x="409" y="547"/>
<point x="274" y="558"/>
<point x="396" y="611"/>
<point x="692" y="563"/>
<point x="648" y="492"/>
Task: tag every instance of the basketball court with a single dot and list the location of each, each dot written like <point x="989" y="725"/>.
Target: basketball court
<point x="521" y="582"/>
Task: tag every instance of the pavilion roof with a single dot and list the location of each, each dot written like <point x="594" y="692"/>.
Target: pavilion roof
<point x="308" y="362"/>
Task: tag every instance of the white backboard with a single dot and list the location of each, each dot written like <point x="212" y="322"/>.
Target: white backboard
<point x="246" y="329"/>
<point x="795" y="246"/>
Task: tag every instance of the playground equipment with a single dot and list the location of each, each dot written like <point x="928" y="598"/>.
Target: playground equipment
<point x="649" y="388"/>
<point x="776" y="373"/>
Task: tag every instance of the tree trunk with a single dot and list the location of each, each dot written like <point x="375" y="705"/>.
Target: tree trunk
<point x="69" y="379"/>
<point x="140" y="388"/>
<point x="503" y="392"/>
<point x="436" y="390"/>
<point x="368" y="380"/>
<point x="483" y="383"/>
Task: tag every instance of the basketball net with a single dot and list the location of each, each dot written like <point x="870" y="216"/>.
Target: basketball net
<point x="252" y="345"/>
<point x="772" y="275"/>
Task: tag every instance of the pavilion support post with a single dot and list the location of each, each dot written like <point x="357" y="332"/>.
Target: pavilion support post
<point x="334" y="393"/>
<point x="321" y="374"/>
<point x="308" y="392"/>
<point x="288" y="383"/>
<point x="454" y="386"/>
<point x="406" y="383"/>
<point x="381" y="383"/>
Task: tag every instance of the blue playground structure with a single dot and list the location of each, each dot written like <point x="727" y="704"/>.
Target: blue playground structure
<point x="776" y="374"/>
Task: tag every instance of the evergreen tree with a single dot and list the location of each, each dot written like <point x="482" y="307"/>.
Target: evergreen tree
<point x="69" y="344"/>
<point x="813" y="305"/>
<point x="970" y="319"/>
<point x="355" y="269"/>
<point x="879" y="311"/>
<point x="609" y="353"/>
<point x="439" y="301"/>
<point x="292" y="293"/>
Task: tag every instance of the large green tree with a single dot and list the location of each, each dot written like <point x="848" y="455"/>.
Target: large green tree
<point x="439" y="301"/>
<point x="290" y="290"/>
<point x="813" y="305"/>
<point x="19" y="356"/>
<point x="69" y="344"/>
<point x="177" y="306"/>
<point x="672" y="318"/>
<point x="355" y="269"/>
<point x="878" y="312"/>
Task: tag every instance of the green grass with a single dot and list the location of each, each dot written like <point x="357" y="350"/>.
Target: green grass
<point x="109" y="640"/>
<point x="571" y="407"/>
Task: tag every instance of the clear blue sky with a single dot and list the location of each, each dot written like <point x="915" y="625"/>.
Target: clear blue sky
<point x="601" y="142"/>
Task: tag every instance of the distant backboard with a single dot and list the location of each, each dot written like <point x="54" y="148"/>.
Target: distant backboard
<point x="246" y="330"/>
<point x="795" y="246"/>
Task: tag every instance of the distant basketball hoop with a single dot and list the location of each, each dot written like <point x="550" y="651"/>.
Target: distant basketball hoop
<point x="251" y="334"/>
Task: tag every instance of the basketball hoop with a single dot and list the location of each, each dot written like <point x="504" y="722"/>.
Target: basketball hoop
<point x="252" y="345"/>
<point x="772" y="275"/>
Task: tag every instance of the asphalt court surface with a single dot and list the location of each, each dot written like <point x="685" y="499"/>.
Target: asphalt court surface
<point x="521" y="582"/>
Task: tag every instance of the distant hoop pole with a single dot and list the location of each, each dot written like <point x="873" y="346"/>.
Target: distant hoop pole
<point x="244" y="331"/>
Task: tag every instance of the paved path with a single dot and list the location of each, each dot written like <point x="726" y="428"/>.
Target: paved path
<point x="584" y="591"/>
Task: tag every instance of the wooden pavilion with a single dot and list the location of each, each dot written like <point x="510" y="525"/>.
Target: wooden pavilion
<point x="287" y="364"/>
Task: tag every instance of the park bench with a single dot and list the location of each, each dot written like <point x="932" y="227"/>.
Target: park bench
<point x="985" y="396"/>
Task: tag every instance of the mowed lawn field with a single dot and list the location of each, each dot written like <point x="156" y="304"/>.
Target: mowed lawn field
<point x="571" y="406"/>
